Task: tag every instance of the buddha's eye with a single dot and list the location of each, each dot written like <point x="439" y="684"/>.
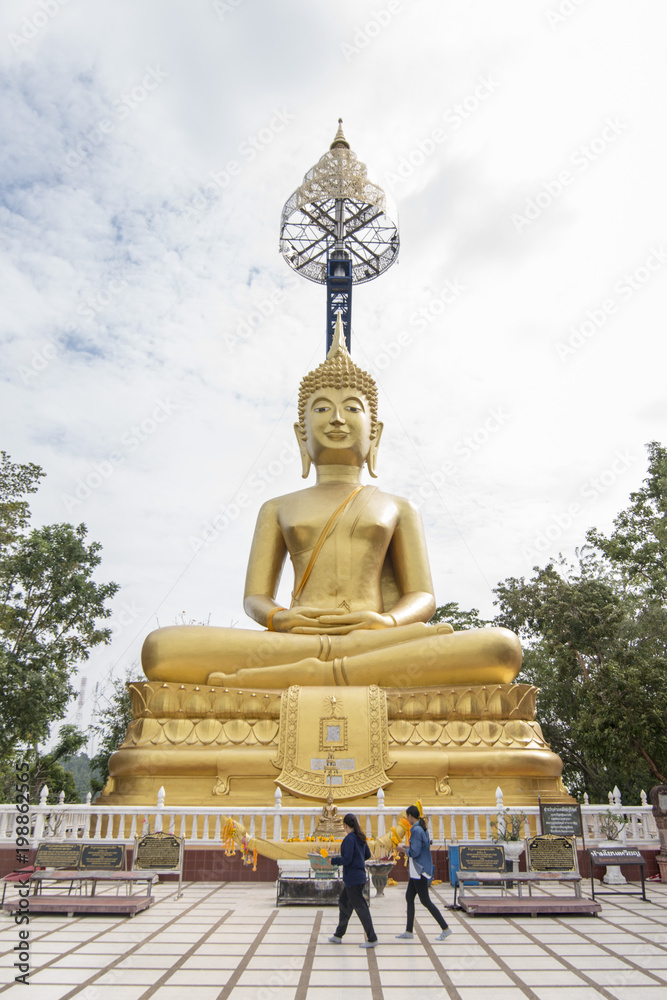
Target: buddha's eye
<point x="320" y="409"/>
<point x="353" y="409"/>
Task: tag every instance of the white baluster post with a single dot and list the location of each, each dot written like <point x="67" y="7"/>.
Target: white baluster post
<point x="160" y="806"/>
<point x="501" y="815"/>
<point x="277" y="819"/>
<point x="380" y="798"/>
<point x="39" y="819"/>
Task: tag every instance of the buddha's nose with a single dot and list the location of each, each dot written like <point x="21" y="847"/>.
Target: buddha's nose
<point x="337" y="417"/>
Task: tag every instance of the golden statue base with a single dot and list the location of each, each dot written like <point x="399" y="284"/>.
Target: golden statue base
<point x="225" y="748"/>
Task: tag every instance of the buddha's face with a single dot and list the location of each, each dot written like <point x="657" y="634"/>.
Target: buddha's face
<point x="338" y="427"/>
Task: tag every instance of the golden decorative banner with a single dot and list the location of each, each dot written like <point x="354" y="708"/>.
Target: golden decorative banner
<point x="331" y="742"/>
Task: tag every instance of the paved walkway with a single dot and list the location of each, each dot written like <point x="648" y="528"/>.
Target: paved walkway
<point x="229" y="940"/>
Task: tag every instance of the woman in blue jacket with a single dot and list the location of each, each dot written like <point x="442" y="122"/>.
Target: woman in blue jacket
<point x="420" y="870"/>
<point x="354" y="852"/>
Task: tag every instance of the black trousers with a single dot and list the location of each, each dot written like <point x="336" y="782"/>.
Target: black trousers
<point x="352" y="899"/>
<point x="419" y="887"/>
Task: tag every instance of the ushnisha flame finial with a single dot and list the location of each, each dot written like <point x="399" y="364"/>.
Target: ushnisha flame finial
<point x="337" y="371"/>
<point x="338" y="344"/>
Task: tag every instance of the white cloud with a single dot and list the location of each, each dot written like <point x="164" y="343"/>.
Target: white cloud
<point x="141" y="270"/>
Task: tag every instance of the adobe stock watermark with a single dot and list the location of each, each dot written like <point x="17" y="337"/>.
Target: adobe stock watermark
<point x="130" y="441"/>
<point x="224" y="7"/>
<point x="257" y="483"/>
<point x="452" y="118"/>
<point x="40" y="359"/>
<point x="102" y="297"/>
<point x="247" y="151"/>
<point x="279" y="979"/>
<point x="465" y="448"/>
<point x="32" y="24"/>
<point x="123" y="106"/>
<point x="590" y="491"/>
<point x="581" y="159"/>
<point x="582" y="332"/>
<point x="262" y="310"/>
<point x="365" y="33"/>
<point x="562" y="11"/>
<point x="420" y="320"/>
<point x="42" y="356"/>
<point x="127" y="615"/>
<point x="22" y="827"/>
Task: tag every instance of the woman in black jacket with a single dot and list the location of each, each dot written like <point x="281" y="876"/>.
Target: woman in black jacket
<point x="354" y="853"/>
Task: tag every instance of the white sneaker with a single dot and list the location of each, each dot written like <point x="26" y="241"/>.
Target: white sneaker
<point x="335" y="940"/>
<point x="444" y="934"/>
<point x="405" y="934"/>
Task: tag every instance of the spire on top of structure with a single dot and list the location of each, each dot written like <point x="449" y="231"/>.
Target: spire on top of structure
<point x="338" y="345"/>
<point x="335" y="230"/>
<point x="340" y="142"/>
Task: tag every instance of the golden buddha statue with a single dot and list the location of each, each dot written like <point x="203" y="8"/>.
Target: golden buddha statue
<point x="363" y="589"/>
<point x="348" y="690"/>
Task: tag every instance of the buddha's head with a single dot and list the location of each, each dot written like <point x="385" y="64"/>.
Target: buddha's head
<point x="338" y="422"/>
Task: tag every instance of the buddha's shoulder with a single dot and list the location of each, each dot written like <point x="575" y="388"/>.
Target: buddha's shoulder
<point x="276" y="504"/>
<point x="313" y="494"/>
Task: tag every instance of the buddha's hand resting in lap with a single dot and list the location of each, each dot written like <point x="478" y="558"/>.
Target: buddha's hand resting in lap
<point x="315" y="621"/>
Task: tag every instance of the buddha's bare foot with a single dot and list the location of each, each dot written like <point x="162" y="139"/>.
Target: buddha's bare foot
<point x="444" y="628"/>
<point x="221" y="680"/>
<point x="308" y="671"/>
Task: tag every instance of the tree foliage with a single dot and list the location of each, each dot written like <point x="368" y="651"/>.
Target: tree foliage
<point x="50" y="613"/>
<point x="79" y="766"/>
<point x="457" y="617"/>
<point x="596" y="644"/>
<point x="110" y="727"/>
<point x="49" y="769"/>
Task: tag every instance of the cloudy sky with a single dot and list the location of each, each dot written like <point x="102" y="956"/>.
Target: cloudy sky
<point x="153" y="338"/>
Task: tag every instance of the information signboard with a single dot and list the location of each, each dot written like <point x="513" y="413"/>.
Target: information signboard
<point x="549" y="853"/>
<point x="562" y="819"/>
<point x="65" y="855"/>
<point x="617" y="856"/>
<point x="103" y="857"/>
<point x="161" y="853"/>
<point x="481" y="858"/>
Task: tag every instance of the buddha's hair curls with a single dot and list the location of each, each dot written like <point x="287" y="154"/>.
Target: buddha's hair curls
<point x="338" y="372"/>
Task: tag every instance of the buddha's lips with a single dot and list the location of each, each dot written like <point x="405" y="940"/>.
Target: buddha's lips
<point x="337" y="435"/>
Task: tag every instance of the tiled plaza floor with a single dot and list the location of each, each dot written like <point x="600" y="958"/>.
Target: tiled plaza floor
<point x="228" y="940"/>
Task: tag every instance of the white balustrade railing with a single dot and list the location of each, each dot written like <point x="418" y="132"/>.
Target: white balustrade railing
<point x="277" y="822"/>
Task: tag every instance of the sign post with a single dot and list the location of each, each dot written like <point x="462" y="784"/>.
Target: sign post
<point x="605" y="856"/>
<point x="562" y="819"/>
<point x="161" y="853"/>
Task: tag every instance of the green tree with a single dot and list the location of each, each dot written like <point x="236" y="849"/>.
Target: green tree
<point x="595" y="638"/>
<point x="15" y="482"/>
<point x="50" y="609"/>
<point x="110" y="726"/>
<point x="49" y="769"/>
<point x="457" y="617"/>
<point x="79" y="766"/>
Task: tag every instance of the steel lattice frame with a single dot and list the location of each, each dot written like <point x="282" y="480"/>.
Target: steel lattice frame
<point x="338" y="209"/>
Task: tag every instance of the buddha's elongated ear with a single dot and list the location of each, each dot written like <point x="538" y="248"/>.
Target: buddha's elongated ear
<point x="303" y="451"/>
<point x="371" y="461"/>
